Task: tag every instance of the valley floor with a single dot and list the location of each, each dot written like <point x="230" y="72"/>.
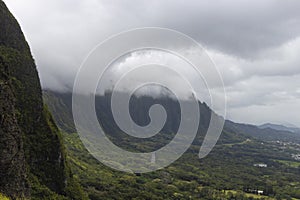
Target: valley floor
<point x="227" y="173"/>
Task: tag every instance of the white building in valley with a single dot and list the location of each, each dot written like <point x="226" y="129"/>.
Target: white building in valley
<point x="260" y="165"/>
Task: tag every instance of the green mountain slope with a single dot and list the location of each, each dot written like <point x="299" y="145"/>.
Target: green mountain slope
<point x="229" y="172"/>
<point x="32" y="157"/>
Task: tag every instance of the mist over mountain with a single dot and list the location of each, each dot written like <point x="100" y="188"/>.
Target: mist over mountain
<point x="254" y="44"/>
<point x="44" y="157"/>
<point x="61" y="106"/>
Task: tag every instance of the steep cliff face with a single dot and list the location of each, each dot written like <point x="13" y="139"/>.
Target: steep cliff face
<point x="12" y="159"/>
<point x="32" y="158"/>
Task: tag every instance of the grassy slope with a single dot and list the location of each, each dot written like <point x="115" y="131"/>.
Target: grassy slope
<point x="226" y="168"/>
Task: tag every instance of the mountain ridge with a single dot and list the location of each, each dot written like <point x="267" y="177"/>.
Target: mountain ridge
<point x="63" y="101"/>
<point x="280" y="127"/>
<point x="230" y="166"/>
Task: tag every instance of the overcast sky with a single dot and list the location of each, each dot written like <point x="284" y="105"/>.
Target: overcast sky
<point x="255" y="44"/>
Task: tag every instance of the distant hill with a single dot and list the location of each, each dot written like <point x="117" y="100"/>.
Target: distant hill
<point x="289" y="128"/>
<point x="264" y="134"/>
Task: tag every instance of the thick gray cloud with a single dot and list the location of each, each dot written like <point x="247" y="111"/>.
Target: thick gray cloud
<point x="255" y="44"/>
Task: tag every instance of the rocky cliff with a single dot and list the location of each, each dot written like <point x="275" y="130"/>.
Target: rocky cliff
<point x="32" y="157"/>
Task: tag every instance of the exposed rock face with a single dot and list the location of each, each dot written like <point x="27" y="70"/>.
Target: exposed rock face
<point x="12" y="159"/>
<point x="32" y="158"/>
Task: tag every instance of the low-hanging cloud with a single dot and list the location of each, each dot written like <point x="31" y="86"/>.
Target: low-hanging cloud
<point x="253" y="43"/>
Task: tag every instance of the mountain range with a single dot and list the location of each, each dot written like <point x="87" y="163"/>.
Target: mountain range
<point x="61" y="106"/>
<point x="42" y="156"/>
<point x="279" y="127"/>
<point x="232" y="166"/>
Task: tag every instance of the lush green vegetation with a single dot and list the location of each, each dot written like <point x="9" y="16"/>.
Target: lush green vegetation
<point x="227" y="173"/>
<point x="3" y="197"/>
<point x="34" y="162"/>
